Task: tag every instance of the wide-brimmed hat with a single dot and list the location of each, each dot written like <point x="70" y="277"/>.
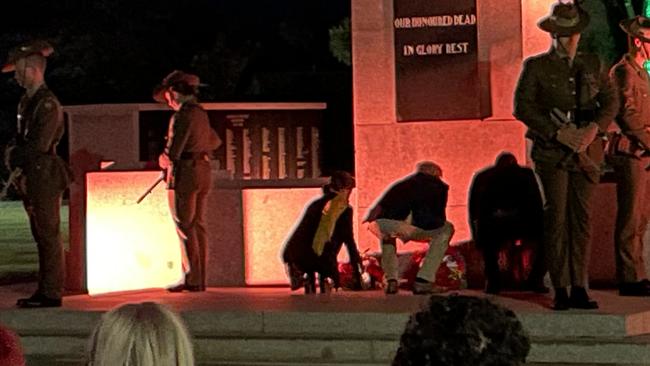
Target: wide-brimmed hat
<point x="565" y="20"/>
<point x="41" y="47"/>
<point x="637" y="27"/>
<point x="180" y="81"/>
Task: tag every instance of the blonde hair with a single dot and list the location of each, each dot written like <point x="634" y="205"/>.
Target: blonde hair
<point x="145" y="334"/>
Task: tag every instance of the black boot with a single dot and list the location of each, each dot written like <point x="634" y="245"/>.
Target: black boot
<point x="325" y="284"/>
<point x="561" y="300"/>
<point x="580" y="300"/>
<point x="310" y="283"/>
<point x="38" y="301"/>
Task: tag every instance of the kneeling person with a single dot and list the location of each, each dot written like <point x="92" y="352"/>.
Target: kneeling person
<point x="423" y="197"/>
<point x="317" y="240"/>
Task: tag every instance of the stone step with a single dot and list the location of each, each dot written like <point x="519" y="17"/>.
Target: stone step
<point x="334" y="325"/>
<point x="315" y="351"/>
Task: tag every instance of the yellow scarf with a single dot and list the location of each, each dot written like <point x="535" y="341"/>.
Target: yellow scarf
<point x="331" y="213"/>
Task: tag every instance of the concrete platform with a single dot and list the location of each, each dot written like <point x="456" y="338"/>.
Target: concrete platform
<point x="272" y="326"/>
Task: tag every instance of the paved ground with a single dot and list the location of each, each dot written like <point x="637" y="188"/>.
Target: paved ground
<point x="281" y="299"/>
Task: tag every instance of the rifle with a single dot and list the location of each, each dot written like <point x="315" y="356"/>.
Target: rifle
<point x="163" y="175"/>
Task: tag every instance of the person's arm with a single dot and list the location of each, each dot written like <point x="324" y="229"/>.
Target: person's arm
<point x="353" y="250"/>
<point x="180" y="133"/>
<point x="526" y="104"/>
<point x="476" y="194"/>
<point x="630" y="119"/>
<point x="45" y="126"/>
<point x="607" y="99"/>
<point x="348" y="238"/>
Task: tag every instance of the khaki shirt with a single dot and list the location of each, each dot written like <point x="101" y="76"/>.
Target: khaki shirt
<point x="190" y="132"/>
<point x="632" y="85"/>
<point x="40" y="122"/>
<point x="40" y="128"/>
<point x="548" y="81"/>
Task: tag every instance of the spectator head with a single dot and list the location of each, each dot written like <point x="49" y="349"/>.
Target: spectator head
<point x="146" y="334"/>
<point x="11" y="353"/>
<point x="462" y="331"/>
<point x="429" y="167"/>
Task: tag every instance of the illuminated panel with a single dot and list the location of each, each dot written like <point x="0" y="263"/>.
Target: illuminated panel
<point x="270" y="215"/>
<point x="129" y="246"/>
<point x="534" y="39"/>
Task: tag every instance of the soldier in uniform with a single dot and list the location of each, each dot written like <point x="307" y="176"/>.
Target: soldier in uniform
<point x="566" y="101"/>
<point x="631" y="157"/>
<point x="186" y="158"/>
<point x="44" y="175"/>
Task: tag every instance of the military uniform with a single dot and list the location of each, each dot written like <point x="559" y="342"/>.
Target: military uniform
<point x="580" y="87"/>
<point x="548" y="81"/>
<point x="190" y="142"/>
<point x="44" y="175"/>
<point x="44" y="178"/>
<point x="633" y="86"/>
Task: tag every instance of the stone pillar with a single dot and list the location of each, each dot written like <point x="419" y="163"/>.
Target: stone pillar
<point x="387" y="150"/>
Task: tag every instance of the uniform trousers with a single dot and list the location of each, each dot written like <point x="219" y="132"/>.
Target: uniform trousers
<point x="567" y="226"/>
<point x="631" y="217"/>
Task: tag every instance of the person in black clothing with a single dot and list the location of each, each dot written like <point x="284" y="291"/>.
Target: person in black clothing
<point x="462" y="330"/>
<point x="505" y="206"/>
<point x="413" y="209"/>
<point x="314" y="245"/>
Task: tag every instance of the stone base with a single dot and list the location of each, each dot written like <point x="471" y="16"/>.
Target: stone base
<point x="272" y="326"/>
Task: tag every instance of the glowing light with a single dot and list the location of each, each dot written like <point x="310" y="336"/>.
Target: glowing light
<point x="129" y="246"/>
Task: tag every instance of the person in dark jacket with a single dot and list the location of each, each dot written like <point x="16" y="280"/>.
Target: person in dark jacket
<point x="413" y="209"/>
<point x="505" y="206"/>
<point x="314" y="245"/>
<point x="186" y="158"/>
<point x="44" y="176"/>
<point x="462" y="331"/>
<point x="565" y="99"/>
<point x="631" y="157"/>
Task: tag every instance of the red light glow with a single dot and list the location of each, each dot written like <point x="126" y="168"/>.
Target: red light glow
<point x="270" y="216"/>
<point x="129" y="246"/>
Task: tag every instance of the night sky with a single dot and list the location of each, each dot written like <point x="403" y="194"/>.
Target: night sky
<point x="115" y="51"/>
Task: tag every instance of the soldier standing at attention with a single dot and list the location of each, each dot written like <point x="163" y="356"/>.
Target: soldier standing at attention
<point x="566" y="100"/>
<point x="631" y="157"/>
<point x="44" y="175"/>
<point x="186" y="158"/>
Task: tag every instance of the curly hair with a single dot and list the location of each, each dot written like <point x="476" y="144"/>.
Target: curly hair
<point x="462" y="330"/>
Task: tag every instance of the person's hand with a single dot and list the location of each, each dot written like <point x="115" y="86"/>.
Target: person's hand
<point x="569" y="136"/>
<point x="15" y="157"/>
<point x="588" y="134"/>
<point x="163" y="161"/>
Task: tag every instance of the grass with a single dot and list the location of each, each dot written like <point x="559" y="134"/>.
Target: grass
<point x="18" y="253"/>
